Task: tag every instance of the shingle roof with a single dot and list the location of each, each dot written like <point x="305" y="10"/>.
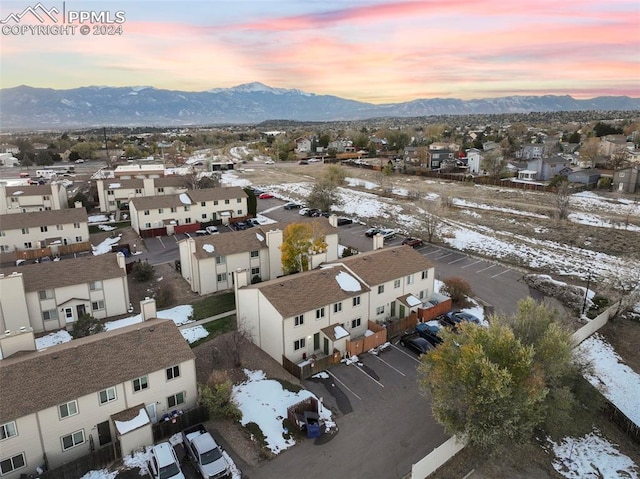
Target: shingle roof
<point x="43" y="218"/>
<point x="208" y="194"/>
<point x="298" y="293"/>
<point x="386" y="264"/>
<point x="29" y="190"/>
<point x="38" y="380"/>
<point x="57" y="274"/>
<point x="139" y="182"/>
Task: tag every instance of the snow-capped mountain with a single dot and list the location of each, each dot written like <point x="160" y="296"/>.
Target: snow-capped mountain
<point x="250" y="103"/>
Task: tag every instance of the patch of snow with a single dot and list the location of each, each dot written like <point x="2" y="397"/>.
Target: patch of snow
<point x="413" y="301"/>
<point x="460" y="203"/>
<point x="106" y="227"/>
<point x="178" y="314"/>
<point x="194" y="334"/>
<point x="595" y="220"/>
<point x="184" y="199"/>
<point x="97" y="218"/>
<point x="16" y="193"/>
<point x="105" y="246"/>
<point x="340" y="332"/>
<point x="260" y="237"/>
<point x="100" y="474"/>
<point x="321" y="375"/>
<point x="52" y="339"/>
<point x="208" y="248"/>
<point x="140" y="420"/>
<point x="368" y="332"/>
<point x="347" y="282"/>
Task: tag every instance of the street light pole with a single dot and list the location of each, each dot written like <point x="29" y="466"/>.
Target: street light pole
<point x="586" y="292"/>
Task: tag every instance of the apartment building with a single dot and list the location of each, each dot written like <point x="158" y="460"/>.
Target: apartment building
<point x="28" y="198"/>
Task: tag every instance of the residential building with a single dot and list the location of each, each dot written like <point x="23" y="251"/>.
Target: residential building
<point x="474" y="161"/>
<point x="532" y="151"/>
<point x="57" y="293"/>
<point x="207" y="262"/>
<point x="436" y="159"/>
<point x="185" y="212"/>
<point x="45" y="233"/>
<point x="303" y="145"/>
<point x="114" y="194"/>
<point x="28" y="198"/>
<point x="9" y="148"/>
<point x="627" y="180"/>
<point x="7" y="159"/>
<point x="60" y="403"/>
<point x="545" y="168"/>
<point x="317" y="311"/>
<point x="586" y="176"/>
<point x="128" y="172"/>
<point x="612" y="144"/>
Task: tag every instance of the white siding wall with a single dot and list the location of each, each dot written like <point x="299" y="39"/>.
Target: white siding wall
<point x="28" y="442"/>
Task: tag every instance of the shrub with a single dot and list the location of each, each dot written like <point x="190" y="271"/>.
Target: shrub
<point x="457" y="288"/>
<point x="86" y="325"/>
<point x="216" y="397"/>
<point x="164" y="296"/>
<point x="143" y="271"/>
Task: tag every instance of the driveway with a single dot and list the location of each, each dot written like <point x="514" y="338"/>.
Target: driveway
<point x="385" y="424"/>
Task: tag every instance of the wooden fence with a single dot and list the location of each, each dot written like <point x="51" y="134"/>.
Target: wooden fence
<point x="398" y="326"/>
<point x="169" y="426"/>
<point x="427" y="314"/>
<point x="312" y="365"/>
<point x="298" y="409"/>
<point x="94" y="460"/>
<point x="366" y="343"/>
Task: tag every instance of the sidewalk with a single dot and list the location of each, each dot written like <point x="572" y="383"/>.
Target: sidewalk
<point x="206" y="320"/>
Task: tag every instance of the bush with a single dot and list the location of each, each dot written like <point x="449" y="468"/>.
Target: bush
<point x="457" y="288"/>
<point x="86" y="325"/>
<point x="164" y="296"/>
<point x="143" y="271"/>
<point x="216" y="397"/>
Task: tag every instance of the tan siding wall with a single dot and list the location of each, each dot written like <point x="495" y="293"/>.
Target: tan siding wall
<point x="13" y="305"/>
<point x="28" y="442"/>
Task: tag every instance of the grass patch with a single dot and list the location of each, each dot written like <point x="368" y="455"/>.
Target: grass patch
<point x="216" y="328"/>
<point x="213" y="305"/>
<point x="256" y="434"/>
<point x="289" y="386"/>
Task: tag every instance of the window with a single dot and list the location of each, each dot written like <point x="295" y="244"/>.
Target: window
<point x="68" y="409"/>
<point x="226" y="202"/>
<point x="215" y="202"/>
<point x="27" y="245"/>
<point x="14" y="200"/>
<point x="2" y="233"/>
<point x="43" y="229"/>
<point x="107" y="395"/>
<point x="337" y="307"/>
<point x="4" y="248"/>
<point x="45" y="198"/>
<point x="13" y="463"/>
<point x="621" y="175"/>
<point x="203" y="203"/>
<point x="110" y="193"/>
<point x="186" y="207"/>
<point x="147" y="225"/>
<point x="299" y="320"/>
<point x="380" y="310"/>
<point x="72" y="440"/>
<point x="173" y="209"/>
<point x="299" y="344"/>
<point x="255" y="254"/>
<point x="239" y="212"/>
<point x="239" y="200"/>
<point x="160" y="211"/>
<point x="221" y="260"/>
<point x="140" y="383"/>
<point x="78" y="239"/>
<point x="95" y="285"/>
<point x="203" y="216"/>
<point x="255" y="271"/>
<point x="425" y="274"/>
<point x="356" y="301"/>
<point x="138" y="191"/>
<point x="8" y="430"/>
<point x="320" y="313"/>
<point x="97" y="305"/>
<point x="59" y="227"/>
<point x="175" y="400"/>
<point x="410" y="279"/>
<point x="146" y="212"/>
<point x="355" y="323"/>
<point x="381" y="289"/>
<point x="45" y="294"/>
<point x="222" y="277"/>
<point x="160" y="190"/>
<point x="76" y="225"/>
<point x="25" y="231"/>
<point x="422" y="294"/>
<point x="396" y="284"/>
<point x="173" y="372"/>
<point x="187" y="220"/>
<point x="49" y="315"/>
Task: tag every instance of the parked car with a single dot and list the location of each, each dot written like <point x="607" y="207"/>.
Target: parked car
<point x="453" y="318"/>
<point x="413" y="242"/>
<point x="240" y="225"/>
<point x="303" y="162"/>
<point x="430" y="331"/>
<point x="387" y="233"/>
<point x="163" y="462"/>
<point x="315" y="212"/>
<point x="257" y="191"/>
<point x="201" y="233"/>
<point x="205" y="453"/>
<point x="269" y="162"/>
<point x="79" y="160"/>
<point x="292" y="206"/>
<point x="303" y="211"/>
<point x="212" y="230"/>
<point x="265" y="196"/>
<point x="371" y="232"/>
<point x="251" y="222"/>
<point x="416" y="343"/>
<point x="344" y="221"/>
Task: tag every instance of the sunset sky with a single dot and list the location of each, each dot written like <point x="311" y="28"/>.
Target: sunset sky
<point x="376" y="51"/>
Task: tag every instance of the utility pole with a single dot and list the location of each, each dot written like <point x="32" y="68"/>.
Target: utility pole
<point x="106" y="146"/>
<point x="586" y="292"/>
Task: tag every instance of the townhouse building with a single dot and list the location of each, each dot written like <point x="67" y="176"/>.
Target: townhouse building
<point x="317" y="311"/>
<point x="63" y="402"/>
<point x="28" y="198"/>
<point x="55" y="294"/>
<point x="186" y="212"/>
<point x="207" y="262"/>
<point x="474" y="161"/>
<point x="114" y="194"/>
<point x="44" y="233"/>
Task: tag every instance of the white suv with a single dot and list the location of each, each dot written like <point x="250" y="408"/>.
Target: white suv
<point x="163" y="462"/>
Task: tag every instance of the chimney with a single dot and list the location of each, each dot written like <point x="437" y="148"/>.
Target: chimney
<point x="378" y="241"/>
<point x="20" y="340"/>
<point x="121" y="260"/>
<point x="333" y="221"/>
<point x="274" y="242"/>
<point x="148" y="309"/>
<point x="77" y="204"/>
<point x="241" y="278"/>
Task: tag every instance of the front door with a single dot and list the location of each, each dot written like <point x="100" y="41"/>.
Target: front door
<point x="401" y="311"/>
<point x="393" y="309"/>
<point x="316" y="341"/>
<point x="68" y="315"/>
<point x="326" y="346"/>
<point x="81" y="309"/>
<point x="104" y="433"/>
<point x="151" y="411"/>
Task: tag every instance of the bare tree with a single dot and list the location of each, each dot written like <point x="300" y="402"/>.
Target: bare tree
<point x="589" y="152"/>
<point x="232" y="342"/>
<point x="562" y="201"/>
<point x="623" y="289"/>
<point x="430" y="225"/>
<point x="494" y="162"/>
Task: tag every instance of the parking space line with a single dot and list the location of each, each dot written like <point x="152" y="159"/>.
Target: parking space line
<point x="444" y="256"/>
<point x="505" y="271"/>
<point x="475" y="262"/>
<point x="161" y="242"/>
<point x="406" y="354"/>
<point x="365" y="373"/>
<point x="343" y="384"/>
<point x="431" y="252"/>
<point x="456" y="260"/>
<point x="175" y="238"/>
<point x="396" y="370"/>
<point x="484" y="269"/>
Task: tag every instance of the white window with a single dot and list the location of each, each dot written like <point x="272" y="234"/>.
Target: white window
<point x="160" y="211"/>
<point x="140" y="383"/>
<point x="97" y="305"/>
<point x="43" y="229"/>
<point x="95" y="285"/>
<point x="396" y="284"/>
<point x="59" y="227"/>
<point x="222" y="277"/>
<point x="8" y="430"/>
<point x="78" y="239"/>
<point x="4" y="248"/>
<point x="138" y="191"/>
<point x="255" y="254"/>
<point x="147" y="225"/>
<point x="221" y="260"/>
<point x="173" y="209"/>
<point x="320" y="313"/>
<point x="187" y="220"/>
<point x="12" y="463"/>
<point x="203" y="216"/>
<point x="215" y="202"/>
<point x="255" y="271"/>
<point x="51" y="314"/>
<point x="28" y="245"/>
<point x="425" y="274"/>
<point x="2" y="233"/>
<point x="239" y="212"/>
<point x="76" y="225"/>
<point x="337" y="307"/>
<point x="299" y="344"/>
<point x="110" y="193"/>
<point x="239" y="200"/>
<point x="72" y="440"/>
<point x="160" y="190"/>
<point x="299" y="320"/>
<point x="68" y="409"/>
<point x="107" y="395"/>
<point x="226" y="202"/>
<point x="146" y="212"/>
<point x="410" y="279"/>
<point x="203" y="203"/>
<point x="45" y="294"/>
<point x="186" y="208"/>
<point x="381" y="289"/>
<point x="380" y="310"/>
<point x="173" y="372"/>
<point x="25" y="231"/>
<point x="175" y="400"/>
<point x="355" y="323"/>
<point x="356" y="301"/>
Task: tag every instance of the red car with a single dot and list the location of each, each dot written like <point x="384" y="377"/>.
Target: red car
<point x="265" y="196"/>
<point x="413" y="242"/>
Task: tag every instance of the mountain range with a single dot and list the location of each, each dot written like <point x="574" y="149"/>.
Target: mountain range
<point x="25" y="107"/>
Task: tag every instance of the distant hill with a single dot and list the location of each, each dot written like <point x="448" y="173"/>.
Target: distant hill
<point x="25" y="107"/>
